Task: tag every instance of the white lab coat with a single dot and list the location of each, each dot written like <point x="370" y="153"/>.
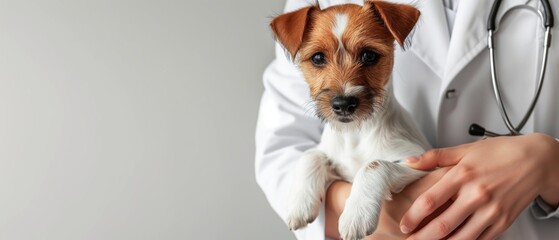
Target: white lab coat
<point x="442" y="80"/>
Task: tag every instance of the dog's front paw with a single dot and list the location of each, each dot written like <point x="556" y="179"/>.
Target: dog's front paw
<point x="302" y="211"/>
<point x="358" y="220"/>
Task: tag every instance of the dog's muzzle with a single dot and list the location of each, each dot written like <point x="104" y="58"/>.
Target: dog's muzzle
<point x="344" y="106"/>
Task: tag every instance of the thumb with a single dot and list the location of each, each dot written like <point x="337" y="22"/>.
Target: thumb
<point x="438" y="157"/>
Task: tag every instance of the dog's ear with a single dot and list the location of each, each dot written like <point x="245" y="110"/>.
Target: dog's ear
<point x="399" y="19"/>
<point x="289" y="29"/>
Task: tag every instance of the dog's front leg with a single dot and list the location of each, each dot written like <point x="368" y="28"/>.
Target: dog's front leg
<point x="311" y="176"/>
<point x="372" y="184"/>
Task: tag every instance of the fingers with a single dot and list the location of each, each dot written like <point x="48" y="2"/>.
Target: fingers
<point x="438" y="157"/>
<point x="491" y="233"/>
<point x="475" y="226"/>
<point x="487" y="224"/>
<point x="456" y="215"/>
<point x="431" y="200"/>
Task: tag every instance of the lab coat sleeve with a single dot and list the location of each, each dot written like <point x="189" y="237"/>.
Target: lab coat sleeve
<point x="541" y="210"/>
<point x="285" y="129"/>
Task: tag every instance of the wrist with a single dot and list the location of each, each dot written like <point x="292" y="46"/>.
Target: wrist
<point x="551" y="198"/>
<point x="550" y="193"/>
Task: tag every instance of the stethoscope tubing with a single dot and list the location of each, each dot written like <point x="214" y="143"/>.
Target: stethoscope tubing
<point x="496" y="88"/>
<point x="548" y="19"/>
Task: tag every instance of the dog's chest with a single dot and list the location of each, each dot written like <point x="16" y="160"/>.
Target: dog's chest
<point x="349" y="151"/>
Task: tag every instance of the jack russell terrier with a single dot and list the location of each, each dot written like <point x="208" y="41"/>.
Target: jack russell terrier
<point x="346" y="54"/>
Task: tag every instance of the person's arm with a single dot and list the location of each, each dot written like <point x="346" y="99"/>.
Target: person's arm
<point x="391" y="212"/>
<point x="491" y="183"/>
<point x="285" y="129"/>
<point x="336" y="195"/>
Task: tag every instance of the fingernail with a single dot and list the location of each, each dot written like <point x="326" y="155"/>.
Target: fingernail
<point x="404" y="229"/>
<point x="412" y="159"/>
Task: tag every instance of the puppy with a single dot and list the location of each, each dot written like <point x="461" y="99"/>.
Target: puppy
<point x="346" y="54"/>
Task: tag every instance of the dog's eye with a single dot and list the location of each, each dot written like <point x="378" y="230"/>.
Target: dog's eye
<point x="368" y="57"/>
<point x="318" y="59"/>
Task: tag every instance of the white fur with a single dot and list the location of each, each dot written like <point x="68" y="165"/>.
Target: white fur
<point x="364" y="156"/>
<point x="352" y="90"/>
<point x="339" y="28"/>
<point x="302" y="207"/>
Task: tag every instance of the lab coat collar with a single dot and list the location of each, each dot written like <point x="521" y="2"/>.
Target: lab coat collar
<point x="469" y="36"/>
<point x="431" y="38"/>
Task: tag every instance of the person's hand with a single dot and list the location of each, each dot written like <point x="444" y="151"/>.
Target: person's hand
<point x="393" y="210"/>
<point x="492" y="182"/>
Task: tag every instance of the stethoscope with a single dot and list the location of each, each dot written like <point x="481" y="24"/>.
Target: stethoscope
<point x="547" y="21"/>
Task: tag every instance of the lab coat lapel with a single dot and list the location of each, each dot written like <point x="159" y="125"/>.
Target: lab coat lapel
<point x="469" y="36"/>
<point x="431" y="38"/>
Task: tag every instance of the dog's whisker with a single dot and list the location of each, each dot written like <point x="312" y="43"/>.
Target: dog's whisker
<point x="309" y="108"/>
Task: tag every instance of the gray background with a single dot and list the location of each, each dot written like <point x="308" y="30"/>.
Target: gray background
<point x="132" y="119"/>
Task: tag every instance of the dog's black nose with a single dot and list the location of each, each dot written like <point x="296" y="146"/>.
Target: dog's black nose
<point x="344" y="106"/>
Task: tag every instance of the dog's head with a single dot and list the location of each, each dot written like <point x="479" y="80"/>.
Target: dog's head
<point x="346" y="53"/>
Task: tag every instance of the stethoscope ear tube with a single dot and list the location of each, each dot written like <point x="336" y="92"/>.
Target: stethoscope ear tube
<point x="491" y="20"/>
<point x="548" y="22"/>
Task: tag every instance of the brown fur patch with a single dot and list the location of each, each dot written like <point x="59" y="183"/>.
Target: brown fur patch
<point x="398" y="18"/>
<point x="289" y="28"/>
<point x="374" y="165"/>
